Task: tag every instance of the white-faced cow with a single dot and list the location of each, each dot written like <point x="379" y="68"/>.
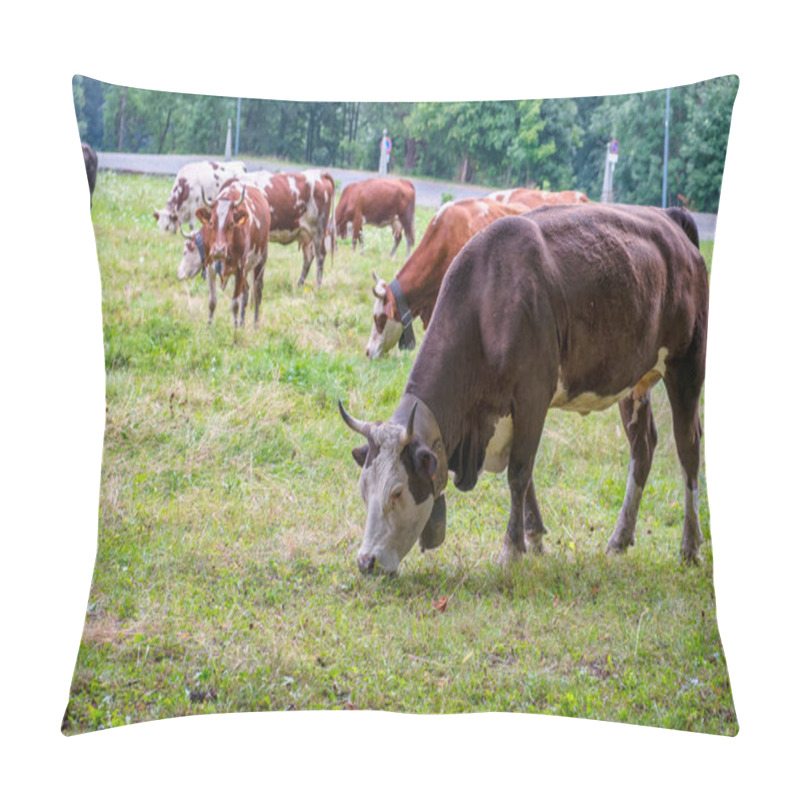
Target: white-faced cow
<point x="414" y="290"/>
<point x="191" y="183"/>
<point x="300" y="205"/>
<point x="379" y="202"/>
<point x="235" y="236"/>
<point x="533" y="198"/>
<point x="193" y="261"/>
<point x="573" y="307"/>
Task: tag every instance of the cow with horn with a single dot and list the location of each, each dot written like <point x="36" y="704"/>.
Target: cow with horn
<point x="234" y="237"/>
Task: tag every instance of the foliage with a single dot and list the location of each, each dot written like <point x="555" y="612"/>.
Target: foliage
<point x="556" y="143"/>
<point x="230" y="516"/>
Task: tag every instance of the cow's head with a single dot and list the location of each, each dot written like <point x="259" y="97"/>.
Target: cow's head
<point x="167" y="219"/>
<point x="193" y="255"/>
<point x="397" y="483"/>
<point x="224" y="222"/>
<point x="386" y="326"/>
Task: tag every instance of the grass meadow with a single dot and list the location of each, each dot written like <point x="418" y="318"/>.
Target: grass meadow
<point x="229" y="520"/>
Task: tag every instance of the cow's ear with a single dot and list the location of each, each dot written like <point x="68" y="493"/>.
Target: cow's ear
<point x="240" y="216"/>
<point x="204" y="215"/>
<point x="425" y="462"/>
<point x="360" y="454"/>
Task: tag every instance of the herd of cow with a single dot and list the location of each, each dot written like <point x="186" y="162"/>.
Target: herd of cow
<point x="531" y="301"/>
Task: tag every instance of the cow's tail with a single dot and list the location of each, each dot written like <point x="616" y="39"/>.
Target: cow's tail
<point x="686" y="222"/>
<point x="331" y="224"/>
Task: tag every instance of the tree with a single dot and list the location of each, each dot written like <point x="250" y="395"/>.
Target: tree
<point x="707" y="140"/>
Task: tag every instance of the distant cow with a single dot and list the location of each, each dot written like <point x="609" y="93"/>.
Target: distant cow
<point x="573" y="307"/>
<point x="191" y="183"/>
<point x="90" y="162"/>
<point x="300" y="205"/>
<point x="533" y="198"/>
<point x="380" y="202"/>
<point x="193" y="261"/>
<point x="235" y="235"/>
<point x="193" y="255"/>
<point x="414" y="290"/>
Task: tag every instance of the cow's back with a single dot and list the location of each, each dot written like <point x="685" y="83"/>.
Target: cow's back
<point x="588" y="295"/>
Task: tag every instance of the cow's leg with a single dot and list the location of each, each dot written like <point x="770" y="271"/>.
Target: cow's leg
<point x="258" y="289"/>
<point x="358" y="235"/>
<point x="239" y="301"/>
<point x="684" y="382"/>
<point x="307" y="246"/>
<point x="319" y="250"/>
<point x="637" y="419"/>
<point x="409" y="230"/>
<point x="534" y="526"/>
<point x="397" y="232"/>
<point x="528" y="425"/>
<point x="212" y="294"/>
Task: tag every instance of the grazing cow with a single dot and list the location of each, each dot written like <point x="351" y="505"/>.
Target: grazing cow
<point x="533" y="198"/>
<point x="193" y="261"/>
<point x="300" y="205"/>
<point x="90" y="162"/>
<point x="235" y="235"/>
<point x="414" y="290"/>
<point x="191" y="183"/>
<point x="380" y="202"/>
<point x="572" y="307"/>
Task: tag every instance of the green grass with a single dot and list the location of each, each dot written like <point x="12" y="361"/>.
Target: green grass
<point x="230" y="518"/>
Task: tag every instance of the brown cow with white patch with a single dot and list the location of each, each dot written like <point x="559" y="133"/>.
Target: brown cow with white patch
<point x="574" y="307"/>
<point x="192" y="182"/>
<point x="235" y="236"/>
<point x="533" y="198"/>
<point x="414" y="290"/>
<point x="379" y="202"/>
<point x="300" y="206"/>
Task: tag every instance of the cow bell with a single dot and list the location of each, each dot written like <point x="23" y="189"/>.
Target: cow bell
<point x="435" y="528"/>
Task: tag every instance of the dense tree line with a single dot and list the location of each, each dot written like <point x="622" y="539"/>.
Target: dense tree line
<point x="556" y="143"/>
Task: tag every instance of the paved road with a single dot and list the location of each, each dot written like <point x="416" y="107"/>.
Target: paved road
<point x="429" y="192"/>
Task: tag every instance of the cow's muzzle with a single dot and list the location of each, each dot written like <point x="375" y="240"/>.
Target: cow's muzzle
<point x="366" y="564"/>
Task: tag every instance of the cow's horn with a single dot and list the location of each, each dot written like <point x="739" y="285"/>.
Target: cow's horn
<point x="241" y="199"/>
<point x="184" y="234"/>
<point x="409" y="434"/>
<point x="205" y="200"/>
<point x="381" y="295"/>
<point x="355" y="424"/>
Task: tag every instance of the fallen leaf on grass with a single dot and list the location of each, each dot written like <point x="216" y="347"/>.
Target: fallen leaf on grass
<point x="440" y="604"/>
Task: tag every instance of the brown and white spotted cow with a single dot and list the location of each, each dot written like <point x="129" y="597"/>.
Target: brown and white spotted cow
<point x="533" y="198"/>
<point x="300" y="205"/>
<point x="379" y="202"/>
<point x="191" y="183"/>
<point x="414" y="290"/>
<point x="574" y="307"/>
<point x="235" y="236"/>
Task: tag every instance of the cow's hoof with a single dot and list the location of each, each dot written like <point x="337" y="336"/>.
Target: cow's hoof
<point x="534" y="542"/>
<point x="691" y="558"/>
<point x="509" y="554"/>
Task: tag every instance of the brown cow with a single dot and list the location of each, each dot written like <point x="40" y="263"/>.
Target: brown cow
<point x="380" y="202"/>
<point x="235" y="236"/>
<point x="300" y="205"/>
<point x="574" y="307"/>
<point x="533" y="198"/>
<point x="416" y="286"/>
